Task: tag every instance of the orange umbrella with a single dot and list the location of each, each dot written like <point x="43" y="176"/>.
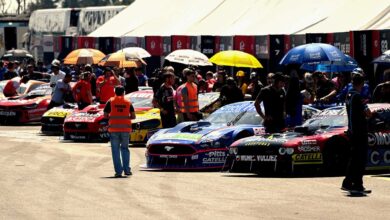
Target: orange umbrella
<point x="84" y="56"/>
<point x="122" y="60"/>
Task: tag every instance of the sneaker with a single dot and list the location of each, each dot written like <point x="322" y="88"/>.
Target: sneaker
<point x="128" y="173"/>
<point x="118" y="175"/>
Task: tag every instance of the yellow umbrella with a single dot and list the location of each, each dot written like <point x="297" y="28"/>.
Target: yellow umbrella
<point x="84" y="56"/>
<point x="235" y="58"/>
<point x="122" y="60"/>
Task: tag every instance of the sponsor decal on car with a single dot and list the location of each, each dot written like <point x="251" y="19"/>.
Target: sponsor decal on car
<point x="58" y="114"/>
<point x="254" y="158"/>
<point x="379" y="158"/>
<point x="78" y="137"/>
<point x="307" y="157"/>
<point x="7" y="113"/>
<point x="257" y="143"/>
<point x="378" y="139"/>
<point x="309" y="148"/>
<point x="214" y="157"/>
<point x="168" y="156"/>
<point x="309" y="142"/>
<point x="180" y="136"/>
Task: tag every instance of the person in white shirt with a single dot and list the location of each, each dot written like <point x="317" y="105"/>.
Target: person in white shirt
<point x="56" y="74"/>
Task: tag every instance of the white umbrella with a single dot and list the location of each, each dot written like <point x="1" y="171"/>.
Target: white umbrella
<point x="189" y="57"/>
<point x="135" y="52"/>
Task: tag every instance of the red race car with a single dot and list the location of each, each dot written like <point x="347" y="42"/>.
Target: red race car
<point x="320" y="141"/>
<point x="89" y="124"/>
<point x="26" y="108"/>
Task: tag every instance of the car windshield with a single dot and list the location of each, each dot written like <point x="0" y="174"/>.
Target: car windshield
<point x="333" y="117"/>
<point x="235" y="116"/>
<point x="141" y="100"/>
<point x="41" y="90"/>
<point x="207" y="98"/>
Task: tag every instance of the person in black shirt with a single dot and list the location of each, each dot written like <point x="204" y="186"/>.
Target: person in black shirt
<point x="325" y="88"/>
<point x="273" y="97"/>
<point x="10" y="71"/>
<point x="165" y="101"/>
<point x="357" y="113"/>
<point x="131" y="81"/>
<point x="230" y="93"/>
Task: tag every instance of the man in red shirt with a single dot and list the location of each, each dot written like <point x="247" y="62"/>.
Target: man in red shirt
<point x="82" y="92"/>
<point x="106" y="84"/>
<point x="11" y="87"/>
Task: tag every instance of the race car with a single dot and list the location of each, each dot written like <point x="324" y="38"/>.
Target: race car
<point x="203" y="144"/>
<point x="89" y="124"/>
<point x="23" y="89"/>
<point x="321" y="142"/>
<point x="26" y="108"/>
<point x="52" y="121"/>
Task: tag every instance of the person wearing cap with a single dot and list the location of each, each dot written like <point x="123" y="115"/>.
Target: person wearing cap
<point x="82" y="92"/>
<point x="325" y="89"/>
<point x="365" y="91"/>
<point x="12" y="86"/>
<point x="56" y="73"/>
<point x="230" y="92"/>
<point x="119" y="112"/>
<point x="165" y="99"/>
<point x="274" y="99"/>
<point x="358" y="113"/>
<point x="105" y="85"/>
<point x="61" y="91"/>
<point x="254" y="86"/>
<point x="241" y="81"/>
<point x="189" y="97"/>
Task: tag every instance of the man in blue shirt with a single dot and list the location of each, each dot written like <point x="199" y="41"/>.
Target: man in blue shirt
<point x="364" y="93"/>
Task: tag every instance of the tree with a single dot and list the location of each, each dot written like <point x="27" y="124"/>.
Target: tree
<point x="4" y="6"/>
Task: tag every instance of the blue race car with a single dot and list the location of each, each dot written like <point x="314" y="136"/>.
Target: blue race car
<point x="204" y="144"/>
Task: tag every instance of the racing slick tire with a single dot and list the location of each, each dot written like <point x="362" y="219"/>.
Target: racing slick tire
<point x="335" y="156"/>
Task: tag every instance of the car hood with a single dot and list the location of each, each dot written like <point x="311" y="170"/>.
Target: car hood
<point x="192" y="133"/>
<point x="59" y="112"/>
<point x="21" y="101"/>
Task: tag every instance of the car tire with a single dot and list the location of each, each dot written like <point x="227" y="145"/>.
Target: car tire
<point x="335" y="156"/>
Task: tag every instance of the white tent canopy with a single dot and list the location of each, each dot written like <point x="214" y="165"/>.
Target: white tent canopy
<point x="246" y="17"/>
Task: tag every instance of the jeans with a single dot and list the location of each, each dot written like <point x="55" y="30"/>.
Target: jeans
<point x="120" y="140"/>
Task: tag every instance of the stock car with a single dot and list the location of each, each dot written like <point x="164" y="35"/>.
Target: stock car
<point x="24" y="87"/>
<point x="52" y="122"/>
<point x="26" y="108"/>
<point x="89" y="124"/>
<point x="203" y="144"/>
<point x="320" y="143"/>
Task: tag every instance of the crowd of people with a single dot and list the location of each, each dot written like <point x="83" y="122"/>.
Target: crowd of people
<point x="282" y="94"/>
<point x="176" y="95"/>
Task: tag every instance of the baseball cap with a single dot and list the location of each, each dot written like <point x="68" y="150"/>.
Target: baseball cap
<point x="240" y="73"/>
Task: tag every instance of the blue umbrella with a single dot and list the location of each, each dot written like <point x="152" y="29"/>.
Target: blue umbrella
<point x="383" y="59"/>
<point x="313" y="53"/>
<point x="328" y="67"/>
